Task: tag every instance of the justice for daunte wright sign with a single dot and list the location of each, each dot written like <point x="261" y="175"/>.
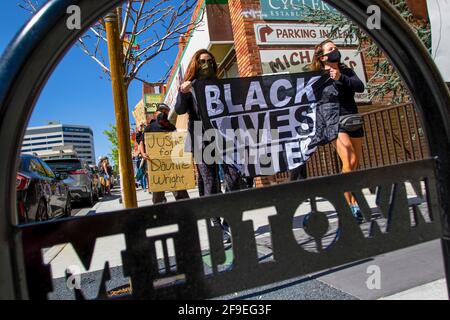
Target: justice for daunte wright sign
<point x="266" y="125"/>
<point x="169" y="167"/>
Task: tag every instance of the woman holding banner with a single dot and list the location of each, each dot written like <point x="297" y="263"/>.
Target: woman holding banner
<point x="203" y="66"/>
<point x="351" y="132"/>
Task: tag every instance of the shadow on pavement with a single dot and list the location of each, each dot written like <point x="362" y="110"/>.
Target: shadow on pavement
<point x="299" y="281"/>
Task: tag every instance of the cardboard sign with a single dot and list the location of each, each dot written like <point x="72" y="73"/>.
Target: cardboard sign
<point x="139" y="112"/>
<point x="166" y="145"/>
<point x="152" y="102"/>
<point x="297" y="34"/>
<point x="166" y="175"/>
<point x="170" y="168"/>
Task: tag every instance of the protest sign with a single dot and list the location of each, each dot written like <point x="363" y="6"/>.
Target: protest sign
<point x="139" y="113"/>
<point x="152" y="101"/>
<point x="169" y="167"/>
<point x="269" y="124"/>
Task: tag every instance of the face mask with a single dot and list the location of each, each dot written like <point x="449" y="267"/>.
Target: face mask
<point x="162" y="118"/>
<point x="334" y="56"/>
<point x="206" y="71"/>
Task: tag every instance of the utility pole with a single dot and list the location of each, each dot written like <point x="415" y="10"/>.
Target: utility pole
<point x="119" y="26"/>
<point x="121" y="110"/>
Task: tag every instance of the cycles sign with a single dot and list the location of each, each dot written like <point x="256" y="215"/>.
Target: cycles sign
<point x="291" y="9"/>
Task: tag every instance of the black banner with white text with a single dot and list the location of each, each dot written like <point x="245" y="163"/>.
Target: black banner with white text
<point x="269" y="124"/>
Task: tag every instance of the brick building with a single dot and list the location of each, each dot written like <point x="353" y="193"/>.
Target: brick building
<point x="261" y="37"/>
<point x="250" y="38"/>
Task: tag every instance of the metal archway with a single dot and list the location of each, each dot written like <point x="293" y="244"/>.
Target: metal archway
<point x="29" y="62"/>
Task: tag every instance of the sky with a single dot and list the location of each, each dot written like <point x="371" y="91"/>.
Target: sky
<point x="78" y="93"/>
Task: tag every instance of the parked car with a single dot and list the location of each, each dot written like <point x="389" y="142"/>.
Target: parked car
<point x="79" y="178"/>
<point x="41" y="193"/>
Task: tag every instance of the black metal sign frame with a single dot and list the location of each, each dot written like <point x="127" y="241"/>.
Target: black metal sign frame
<point x="291" y="259"/>
<point x="30" y="60"/>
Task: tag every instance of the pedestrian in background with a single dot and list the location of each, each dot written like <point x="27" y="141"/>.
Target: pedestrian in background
<point x="142" y="173"/>
<point x="142" y="163"/>
<point x="106" y="172"/>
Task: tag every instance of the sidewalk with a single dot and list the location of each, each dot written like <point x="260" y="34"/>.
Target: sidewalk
<point x="428" y="285"/>
<point x="62" y="256"/>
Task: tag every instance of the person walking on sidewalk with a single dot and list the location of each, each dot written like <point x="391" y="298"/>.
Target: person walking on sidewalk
<point x="142" y="163"/>
<point x="106" y="172"/>
<point x="142" y="171"/>
<point x="161" y="123"/>
<point x="351" y="128"/>
<point x="203" y="66"/>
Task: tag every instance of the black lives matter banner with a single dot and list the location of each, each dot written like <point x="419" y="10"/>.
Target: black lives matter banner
<point x="270" y="124"/>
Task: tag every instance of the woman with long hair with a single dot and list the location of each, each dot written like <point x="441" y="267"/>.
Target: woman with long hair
<point x="351" y="132"/>
<point x="203" y="66"/>
<point x="106" y="172"/>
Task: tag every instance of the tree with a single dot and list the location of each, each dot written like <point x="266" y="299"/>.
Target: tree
<point x="147" y="29"/>
<point x="385" y="79"/>
<point x="111" y="135"/>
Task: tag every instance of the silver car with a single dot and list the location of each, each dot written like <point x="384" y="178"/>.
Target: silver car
<point x="78" y="176"/>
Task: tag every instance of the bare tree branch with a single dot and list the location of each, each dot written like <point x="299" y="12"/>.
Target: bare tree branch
<point x="155" y="26"/>
<point x="29" y="5"/>
<point x="126" y="19"/>
<point x="98" y="34"/>
<point x="85" y="49"/>
<point x="127" y="56"/>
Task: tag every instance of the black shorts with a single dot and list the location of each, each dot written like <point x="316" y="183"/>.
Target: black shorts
<point x="353" y="134"/>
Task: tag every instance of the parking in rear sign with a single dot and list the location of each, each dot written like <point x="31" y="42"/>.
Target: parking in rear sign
<point x="298" y="34"/>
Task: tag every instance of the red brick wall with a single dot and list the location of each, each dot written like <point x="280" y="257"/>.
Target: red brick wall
<point x="369" y="66"/>
<point x="247" y="52"/>
<point x="418" y="8"/>
<point x="148" y="88"/>
<point x="248" y="57"/>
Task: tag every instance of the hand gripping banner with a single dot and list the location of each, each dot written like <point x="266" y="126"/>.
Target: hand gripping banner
<point x="269" y="124"/>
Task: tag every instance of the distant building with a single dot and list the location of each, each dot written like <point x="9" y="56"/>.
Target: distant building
<point x="64" y="152"/>
<point x="46" y="139"/>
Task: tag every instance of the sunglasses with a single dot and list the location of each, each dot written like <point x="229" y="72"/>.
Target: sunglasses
<point x="205" y="61"/>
